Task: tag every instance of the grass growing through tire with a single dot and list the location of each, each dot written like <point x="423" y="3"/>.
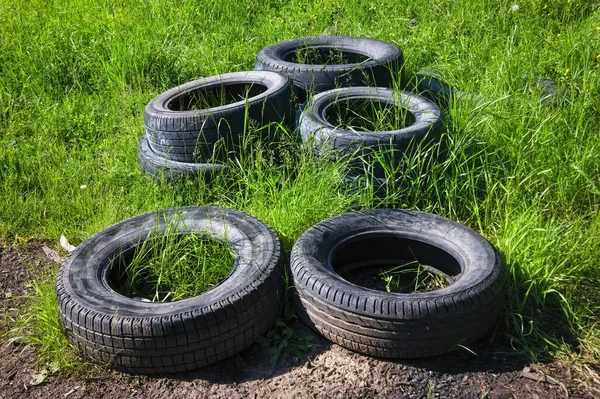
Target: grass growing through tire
<point x="76" y="77"/>
<point x="366" y="115"/>
<point x="411" y="278"/>
<point x="216" y="96"/>
<point x="324" y="56"/>
<point x="172" y="266"/>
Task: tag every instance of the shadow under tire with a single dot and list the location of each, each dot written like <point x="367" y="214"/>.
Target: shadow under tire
<point x="396" y="325"/>
<point x="167" y="337"/>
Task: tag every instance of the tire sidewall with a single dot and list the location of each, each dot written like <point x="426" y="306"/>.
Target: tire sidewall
<point x="313" y="122"/>
<point x="311" y="269"/>
<point x="158" y="108"/>
<point x="154" y="164"/>
<point x="83" y="276"/>
<point x="379" y="51"/>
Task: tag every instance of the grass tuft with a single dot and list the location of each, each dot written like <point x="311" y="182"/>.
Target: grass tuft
<point x="170" y="267"/>
<point x="38" y="324"/>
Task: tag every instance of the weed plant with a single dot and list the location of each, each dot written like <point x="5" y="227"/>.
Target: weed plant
<point x="324" y="56"/>
<point x="171" y="266"/>
<point x="282" y="337"/>
<point x="412" y="277"/>
<point x="38" y="325"/>
<point x="524" y="173"/>
<point x="368" y="116"/>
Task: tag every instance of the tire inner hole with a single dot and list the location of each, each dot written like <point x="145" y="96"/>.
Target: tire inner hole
<point x="368" y="115"/>
<point x="324" y="56"/>
<point x="215" y="96"/>
<point x="393" y="264"/>
<point x="170" y="268"/>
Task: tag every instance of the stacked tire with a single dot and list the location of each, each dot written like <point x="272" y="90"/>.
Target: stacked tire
<point x="192" y="129"/>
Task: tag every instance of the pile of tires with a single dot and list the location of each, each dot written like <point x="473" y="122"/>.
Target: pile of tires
<point x="193" y="129"/>
<point x="187" y="136"/>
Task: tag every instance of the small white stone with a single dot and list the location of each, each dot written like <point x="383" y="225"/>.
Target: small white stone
<point x="83" y="187"/>
<point x="515" y="7"/>
<point x="140" y="299"/>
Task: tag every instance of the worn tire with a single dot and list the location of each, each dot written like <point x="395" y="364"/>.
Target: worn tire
<point x="176" y="133"/>
<point x="426" y="128"/>
<point x="201" y="152"/>
<point x="428" y="84"/>
<point x="396" y="325"/>
<point x="373" y="62"/>
<point x="159" y="166"/>
<point x="150" y="338"/>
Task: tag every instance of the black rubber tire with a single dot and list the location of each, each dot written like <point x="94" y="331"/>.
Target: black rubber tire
<point x="148" y="338"/>
<point x="383" y="63"/>
<point x="428" y="84"/>
<point x="174" y="128"/>
<point x="390" y="324"/>
<point x="200" y="152"/>
<point x="159" y="166"/>
<point x="427" y="128"/>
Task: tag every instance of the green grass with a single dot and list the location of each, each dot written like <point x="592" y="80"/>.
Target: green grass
<point x="368" y="116"/>
<point x="412" y="277"/>
<point x="170" y="267"/>
<point x="324" y="56"/>
<point x="38" y="324"/>
<point x="75" y="77"/>
<point x="217" y="96"/>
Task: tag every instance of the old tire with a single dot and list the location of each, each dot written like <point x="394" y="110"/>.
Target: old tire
<point x="396" y="325"/>
<point x="428" y="84"/>
<point x="425" y="125"/>
<point x="369" y="62"/>
<point x="159" y="166"/>
<point x="175" y="129"/>
<point x="150" y="338"/>
<point x="199" y="152"/>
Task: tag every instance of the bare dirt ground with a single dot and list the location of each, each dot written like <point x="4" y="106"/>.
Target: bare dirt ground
<point x="327" y="371"/>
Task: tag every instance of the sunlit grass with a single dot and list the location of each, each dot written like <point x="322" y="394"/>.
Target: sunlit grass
<point x="169" y="267"/>
<point x="523" y="172"/>
<point x="38" y="324"/>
